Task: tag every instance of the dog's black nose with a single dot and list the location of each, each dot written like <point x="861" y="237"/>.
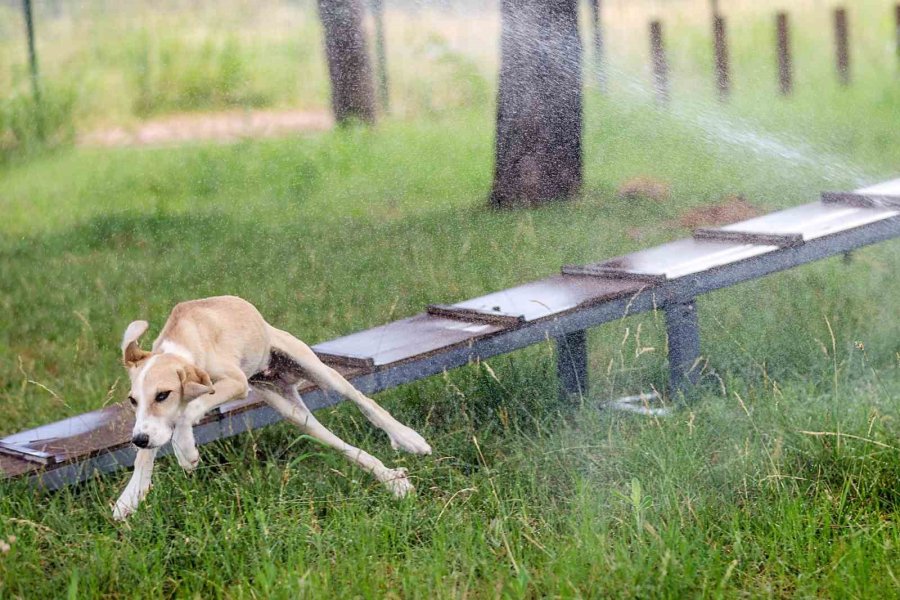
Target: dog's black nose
<point x="141" y="440"/>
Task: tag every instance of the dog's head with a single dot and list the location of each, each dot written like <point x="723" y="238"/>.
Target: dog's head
<point x="161" y="386"/>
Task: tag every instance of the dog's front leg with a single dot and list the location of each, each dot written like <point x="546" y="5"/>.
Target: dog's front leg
<point x="231" y="388"/>
<point x="184" y="446"/>
<point x="137" y="487"/>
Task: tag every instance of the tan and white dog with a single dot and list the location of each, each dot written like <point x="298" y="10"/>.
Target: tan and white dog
<point x="206" y="355"/>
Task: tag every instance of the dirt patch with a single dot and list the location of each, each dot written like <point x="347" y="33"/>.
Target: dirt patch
<point x="730" y="210"/>
<point x="644" y="187"/>
<point x="224" y="127"/>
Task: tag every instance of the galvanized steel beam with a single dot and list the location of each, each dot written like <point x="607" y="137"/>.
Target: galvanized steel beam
<point x="673" y="296"/>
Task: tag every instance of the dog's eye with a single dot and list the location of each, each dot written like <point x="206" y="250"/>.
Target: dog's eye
<point x="132" y="400"/>
<point x="162" y="396"/>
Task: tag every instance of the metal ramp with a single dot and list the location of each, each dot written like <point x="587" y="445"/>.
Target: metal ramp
<point x="562" y="307"/>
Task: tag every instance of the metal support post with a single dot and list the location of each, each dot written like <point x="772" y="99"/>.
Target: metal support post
<point x="571" y="364"/>
<point x="684" y="347"/>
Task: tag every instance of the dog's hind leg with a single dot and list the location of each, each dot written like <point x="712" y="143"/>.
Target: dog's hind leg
<point x="288" y="402"/>
<point x="402" y="437"/>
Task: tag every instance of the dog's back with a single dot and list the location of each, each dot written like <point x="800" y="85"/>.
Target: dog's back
<point x="217" y="328"/>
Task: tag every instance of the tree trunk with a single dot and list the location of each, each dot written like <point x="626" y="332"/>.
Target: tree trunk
<point x="538" y="145"/>
<point x="352" y="92"/>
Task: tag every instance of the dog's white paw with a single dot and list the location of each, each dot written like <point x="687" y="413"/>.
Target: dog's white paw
<point x="404" y="438"/>
<point x="185" y="448"/>
<point x="123" y="508"/>
<point x="188" y="458"/>
<point x="397" y="482"/>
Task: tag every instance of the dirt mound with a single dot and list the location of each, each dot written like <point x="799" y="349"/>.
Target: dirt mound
<point x="644" y="187"/>
<point x="730" y="210"/>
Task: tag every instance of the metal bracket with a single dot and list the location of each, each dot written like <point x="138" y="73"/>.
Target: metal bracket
<point x="474" y="315"/>
<point x="366" y="363"/>
<point x="610" y="272"/>
<point x="26" y="453"/>
<point x="861" y="200"/>
<point x="782" y="240"/>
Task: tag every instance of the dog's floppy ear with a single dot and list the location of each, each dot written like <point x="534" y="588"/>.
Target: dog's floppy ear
<point x="194" y="382"/>
<point x="131" y="352"/>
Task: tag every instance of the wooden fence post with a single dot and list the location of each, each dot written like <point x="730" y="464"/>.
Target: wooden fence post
<point x="660" y="65"/>
<point x="785" y="67"/>
<point x="33" y="66"/>
<point x="897" y="22"/>
<point x="841" y="46"/>
<point x="723" y="83"/>
<point x="599" y="66"/>
<point x="381" y="54"/>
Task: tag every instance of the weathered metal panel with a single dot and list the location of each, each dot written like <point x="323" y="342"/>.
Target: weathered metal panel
<point x="10" y="466"/>
<point x="406" y="339"/>
<point x="78" y="436"/>
<point x="548" y="297"/>
<point x="890" y="188"/>
<point x="810" y="221"/>
<point x="673" y="260"/>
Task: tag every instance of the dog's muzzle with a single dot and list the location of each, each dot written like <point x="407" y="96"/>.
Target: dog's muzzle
<point x="141" y="440"/>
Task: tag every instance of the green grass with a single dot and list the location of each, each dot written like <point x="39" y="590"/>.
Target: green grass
<point x="335" y="232"/>
<point x="331" y="233"/>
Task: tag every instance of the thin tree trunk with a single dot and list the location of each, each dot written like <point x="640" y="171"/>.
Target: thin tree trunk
<point x="352" y="92"/>
<point x="539" y="104"/>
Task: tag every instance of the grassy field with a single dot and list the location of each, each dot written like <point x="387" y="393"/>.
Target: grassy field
<point x="780" y="481"/>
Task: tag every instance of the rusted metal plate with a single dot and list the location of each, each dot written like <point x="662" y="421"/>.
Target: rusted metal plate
<point x="358" y="362"/>
<point x="10" y="466"/>
<point x="402" y="340"/>
<point x="26" y="453"/>
<point x="783" y="240"/>
<point x="548" y="297"/>
<point x="808" y="222"/>
<point x="672" y="260"/>
<point x="474" y="315"/>
<point x="77" y="437"/>
<point x="861" y="200"/>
